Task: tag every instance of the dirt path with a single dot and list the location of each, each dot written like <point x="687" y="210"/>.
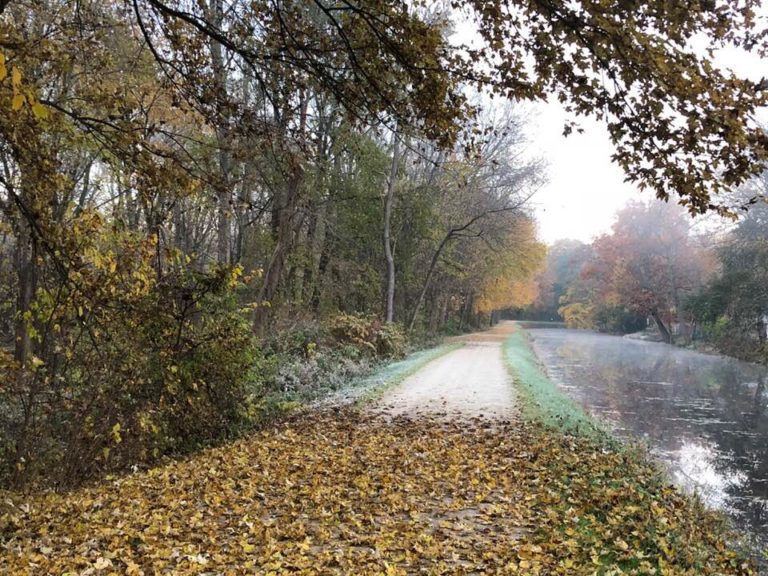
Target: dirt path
<point x="469" y="382"/>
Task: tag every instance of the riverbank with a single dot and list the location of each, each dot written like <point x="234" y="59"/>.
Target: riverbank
<point x="544" y="404"/>
<point x="738" y="349"/>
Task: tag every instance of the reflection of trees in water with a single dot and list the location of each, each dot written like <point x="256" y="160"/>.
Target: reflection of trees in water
<point x="674" y="396"/>
<point x="752" y="456"/>
<point x="758" y="404"/>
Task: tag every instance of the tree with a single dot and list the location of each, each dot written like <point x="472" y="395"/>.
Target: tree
<point x="732" y="307"/>
<point x="646" y="266"/>
<point x="509" y="278"/>
<point x="389" y="197"/>
<point x="563" y="266"/>
<point x="168" y="166"/>
<point x="483" y="199"/>
<point x="680" y="126"/>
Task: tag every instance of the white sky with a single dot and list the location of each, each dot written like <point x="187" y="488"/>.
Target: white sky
<point x="585" y="189"/>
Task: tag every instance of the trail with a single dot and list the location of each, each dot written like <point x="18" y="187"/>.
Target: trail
<point x="467" y="383"/>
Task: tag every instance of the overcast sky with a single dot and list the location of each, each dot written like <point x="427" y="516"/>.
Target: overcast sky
<point x="585" y="189"/>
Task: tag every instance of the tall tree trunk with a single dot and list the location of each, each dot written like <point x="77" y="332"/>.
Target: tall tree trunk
<point x="286" y="229"/>
<point x="445" y="312"/>
<point x="294" y="283"/>
<point x="665" y="334"/>
<point x="319" y="276"/>
<point x="27" y="274"/>
<point x="223" y="231"/>
<point x="388" y="250"/>
<point x="466" y="312"/>
<point x="428" y="279"/>
<point x="316" y="242"/>
<point x="224" y="139"/>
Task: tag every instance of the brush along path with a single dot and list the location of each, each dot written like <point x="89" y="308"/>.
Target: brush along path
<point x="348" y="494"/>
<point x="469" y="382"/>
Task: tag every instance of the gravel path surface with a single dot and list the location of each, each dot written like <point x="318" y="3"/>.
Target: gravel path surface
<point x="469" y="382"/>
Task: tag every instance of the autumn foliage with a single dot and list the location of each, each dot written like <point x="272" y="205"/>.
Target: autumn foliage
<point x="347" y="494"/>
<point x="180" y="180"/>
<point x="646" y="267"/>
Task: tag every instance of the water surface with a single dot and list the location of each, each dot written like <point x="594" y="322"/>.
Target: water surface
<point x="704" y="415"/>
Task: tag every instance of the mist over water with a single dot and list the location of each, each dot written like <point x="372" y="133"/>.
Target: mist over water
<point x="703" y="415"/>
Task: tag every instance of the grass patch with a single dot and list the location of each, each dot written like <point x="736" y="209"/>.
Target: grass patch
<point x="542" y="400"/>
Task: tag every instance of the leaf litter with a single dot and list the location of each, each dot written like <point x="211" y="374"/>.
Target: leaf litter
<point x="345" y="492"/>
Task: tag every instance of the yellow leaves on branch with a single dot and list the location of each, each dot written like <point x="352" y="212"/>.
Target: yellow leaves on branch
<point x="578" y="315"/>
<point x="39" y="110"/>
<point x="21" y="94"/>
<point x="501" y="292"/>
<point x="346" y="494"/>
<point x="17" y="102"/>
<point x="509" y="279"/>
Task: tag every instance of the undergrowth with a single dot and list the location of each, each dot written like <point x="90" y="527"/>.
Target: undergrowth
<point x="333" y="376"/>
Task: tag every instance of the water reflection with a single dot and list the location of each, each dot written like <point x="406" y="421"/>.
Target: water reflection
<point x="704" y="415"/>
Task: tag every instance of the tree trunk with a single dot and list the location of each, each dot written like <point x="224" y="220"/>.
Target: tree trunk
<point x="223" y="236"/>
<point x="428" y="279"/>
<point x="317" y="250"/>
<point x="665" y="334"/>
<point x="319" y="276"/>
<point x="286" y="229"/>
<point x="762" y="326"/>
<point x="224" y="140"/>
<point x="388" y="251"/>
<point x="26" y="270"/>
<point x="466" y="312"/>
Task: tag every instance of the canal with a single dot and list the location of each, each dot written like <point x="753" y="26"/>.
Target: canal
<point x="703" y="415"/>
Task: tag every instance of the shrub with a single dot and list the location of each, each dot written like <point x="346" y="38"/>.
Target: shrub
<point x="619" y="320"/>
<point x="169" y="369"/>
<point x="367" y="334"/>
<point x="390" y="341"/>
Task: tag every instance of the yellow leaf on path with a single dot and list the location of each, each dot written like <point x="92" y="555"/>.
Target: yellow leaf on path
<point x="227" y="511"/>
<point x="102" y="564"/>
<point x="39" y="111"/>
<point x="17" y="102"/>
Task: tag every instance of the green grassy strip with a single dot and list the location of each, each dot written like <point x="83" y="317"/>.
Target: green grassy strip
<point x="542" y="400"/>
